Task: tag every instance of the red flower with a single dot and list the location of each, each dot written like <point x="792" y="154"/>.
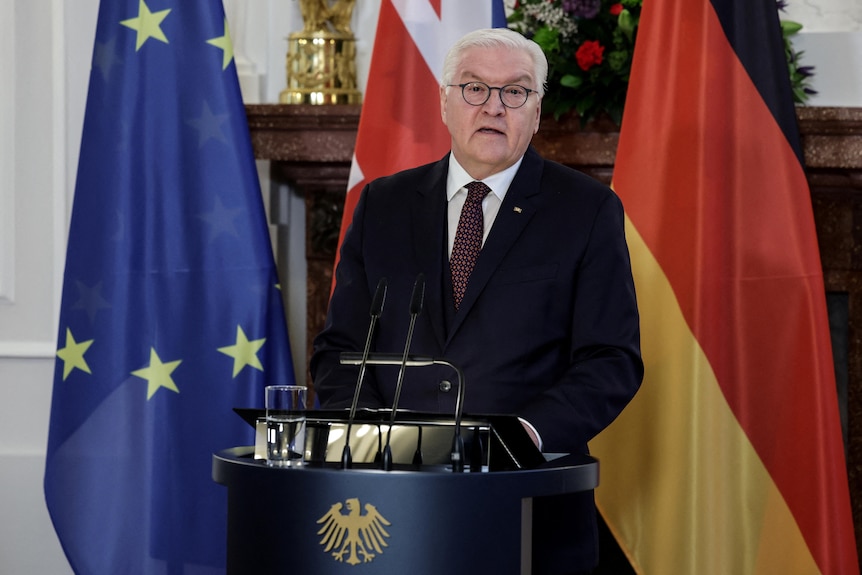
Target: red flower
<point x="589" y="54"/>
<point x="615" y="9"/>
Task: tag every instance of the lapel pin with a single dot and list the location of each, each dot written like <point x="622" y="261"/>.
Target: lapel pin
<point x="518" y="210"/>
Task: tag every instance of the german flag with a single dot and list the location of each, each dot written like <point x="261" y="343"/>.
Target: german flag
<point x="730" y="459"/>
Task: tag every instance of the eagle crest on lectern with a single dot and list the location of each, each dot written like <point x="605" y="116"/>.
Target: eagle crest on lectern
<point x="353" y="534"/>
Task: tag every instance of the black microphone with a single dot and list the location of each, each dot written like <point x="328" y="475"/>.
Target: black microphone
<point x="375" y="311"/>
<point x="416" y="301"/>
<point x="457" y="456"/>
<point x="417" y="455"/>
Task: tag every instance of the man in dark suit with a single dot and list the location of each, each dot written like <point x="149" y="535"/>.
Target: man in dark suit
<point x="543" y="322"/>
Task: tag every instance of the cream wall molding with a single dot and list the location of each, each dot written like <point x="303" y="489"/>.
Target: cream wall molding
<point x="27" y="350"/>
<point x="62" y="185"/>
<point x="7" y="157"/>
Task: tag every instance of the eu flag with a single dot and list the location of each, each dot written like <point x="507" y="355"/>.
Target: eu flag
<point x="171" y="313"/>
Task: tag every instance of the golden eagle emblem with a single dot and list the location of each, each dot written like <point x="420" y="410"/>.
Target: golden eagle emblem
<point x="353" y="534"/>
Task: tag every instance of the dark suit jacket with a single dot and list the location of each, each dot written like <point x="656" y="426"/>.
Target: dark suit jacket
<point x="548" y="327"/>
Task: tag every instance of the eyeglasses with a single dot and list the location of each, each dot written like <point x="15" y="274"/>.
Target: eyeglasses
<point x="477" y="93"/>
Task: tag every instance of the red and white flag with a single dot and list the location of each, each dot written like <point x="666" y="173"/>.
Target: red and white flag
<point x="400" y="126"/>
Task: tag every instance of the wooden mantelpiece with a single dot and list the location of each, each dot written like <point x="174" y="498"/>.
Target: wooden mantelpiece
<point x="316" y="142"/>
<point x="311" y="148"/>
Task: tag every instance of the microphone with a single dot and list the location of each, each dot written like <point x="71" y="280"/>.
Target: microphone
<point x="457" y="455"/>
<point x="416" y="301"/>
<point x="417" y="455"/>
<point x="375" y="311"/>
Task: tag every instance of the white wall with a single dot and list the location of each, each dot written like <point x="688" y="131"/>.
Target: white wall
<point x="831" y="38"/>
<point x="44" y="63"/>
<point x="33" y="212"/>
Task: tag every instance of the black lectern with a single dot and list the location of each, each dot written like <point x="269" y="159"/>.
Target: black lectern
<point x="420" y="518"/>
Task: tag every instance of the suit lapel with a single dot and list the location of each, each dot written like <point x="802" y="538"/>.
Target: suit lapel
<point x="515" y="213"/>
<point x="429" y="227"/>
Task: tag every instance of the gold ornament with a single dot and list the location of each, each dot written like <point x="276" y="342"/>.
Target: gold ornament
<point x="321" y="59"/>
<point x="360" y="537"/>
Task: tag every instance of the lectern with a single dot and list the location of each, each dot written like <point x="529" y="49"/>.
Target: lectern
<point x="419" y="518"/>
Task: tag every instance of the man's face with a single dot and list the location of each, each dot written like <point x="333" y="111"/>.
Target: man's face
<point x="489" y="138"/>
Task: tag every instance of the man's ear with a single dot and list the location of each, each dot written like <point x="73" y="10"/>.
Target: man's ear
<point x="538" y="116"/>
<point x="443" y="99"/>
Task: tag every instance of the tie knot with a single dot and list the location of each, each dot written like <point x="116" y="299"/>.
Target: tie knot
<point x="476" y="191"/>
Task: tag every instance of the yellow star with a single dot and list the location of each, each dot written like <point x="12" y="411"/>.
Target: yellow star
<point x="225" y="43"/>
<point x="73" y="355"/>
<point x="244" y="352"/>
<point x="147" y="24"/>
<point x="158" y="374"/>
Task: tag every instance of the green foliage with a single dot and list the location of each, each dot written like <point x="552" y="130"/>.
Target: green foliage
<point x="589" y="45"/>
<point x="800" y="76"/>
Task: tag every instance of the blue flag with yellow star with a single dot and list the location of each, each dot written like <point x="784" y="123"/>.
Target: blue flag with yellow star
<point x="171" y="313"/>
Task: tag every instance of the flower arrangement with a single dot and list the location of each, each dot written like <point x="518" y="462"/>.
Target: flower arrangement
<point x="589" y="46"/>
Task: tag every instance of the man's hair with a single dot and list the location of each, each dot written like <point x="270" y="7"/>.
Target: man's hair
<point x="493" y="38"/>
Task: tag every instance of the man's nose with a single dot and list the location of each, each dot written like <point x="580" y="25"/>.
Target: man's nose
<point x="494" y="104"/>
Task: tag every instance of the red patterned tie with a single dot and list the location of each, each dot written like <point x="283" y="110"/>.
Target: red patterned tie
<point x="468" y="239"/>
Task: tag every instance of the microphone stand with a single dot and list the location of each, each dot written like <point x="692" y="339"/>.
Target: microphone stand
<point x="375" y="311"/>
<point x="457" y="455"/>
<point x="416" y="302"/>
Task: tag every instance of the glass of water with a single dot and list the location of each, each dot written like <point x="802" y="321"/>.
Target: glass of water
<point x="285" y="425"/>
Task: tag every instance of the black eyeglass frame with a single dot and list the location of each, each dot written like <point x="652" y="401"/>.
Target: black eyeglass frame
<point x="488" y="95"/>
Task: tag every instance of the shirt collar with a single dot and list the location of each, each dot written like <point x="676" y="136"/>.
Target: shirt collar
<point x="499" y="182"/>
